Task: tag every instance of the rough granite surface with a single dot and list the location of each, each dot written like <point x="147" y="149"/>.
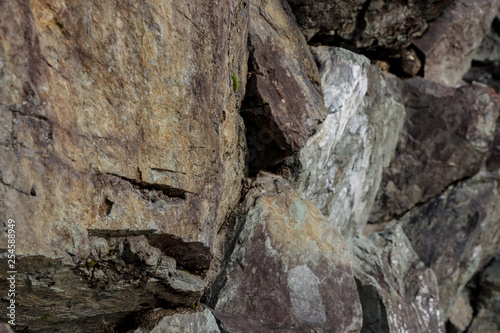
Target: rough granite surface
<point x="342" y="163"/>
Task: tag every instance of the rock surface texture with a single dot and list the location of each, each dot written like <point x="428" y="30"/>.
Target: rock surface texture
<point x="457" y="234"/>
<point x="450" y="44"/>
<point x="199" y="322"/>
<point x="119" y="118"/>
<point x="283" y="104"/>
<point x="289" y="268"/>
<point x="398" y="292"/>
<point x="367" y="24"/>
<point x="342" y="163"/>
<point x="447" y="136"/>
<point x="239" y="166"/>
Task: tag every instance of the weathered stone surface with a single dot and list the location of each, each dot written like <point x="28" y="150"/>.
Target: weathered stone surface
<point x="198" y="322"/>
<point x="342" y="163"/>
<point x="283" y="103"/>
<point x="4" y="328"/>
<point x="397" y="292"/>
<point x="124" y="274"/>
<point x="290" y="270"/>
<point x="487" y="319"/>
<point x="451" y="41"/>
<point x="446" y="137"/>
<point x="367" y="24"/>
<point x="456" y="234"/>
<point x="489" y="50"/>
<point x="118" y="118"/>
<point x="461" y="312"/>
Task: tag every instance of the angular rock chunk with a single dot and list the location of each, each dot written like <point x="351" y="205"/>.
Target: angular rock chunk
<point x="451" y="41"/>
<point x="456" y="234"/>
<point x="489" y="50"/>
<point x="342" y="163"/>
<point x="121" y="275"/>
<point x="461" y="312"/>
<point x="376" y="24"/>
<point x="283" y="104"/>
<point x="398" y="293"/>
<point x="487" y="318"/>
<point x="446" y="137"/>
<point x="290" y="270"/>
<point x="120" y="117"/>
<point x="198" y="322"/>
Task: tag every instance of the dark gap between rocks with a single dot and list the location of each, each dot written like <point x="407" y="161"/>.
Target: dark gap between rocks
<point x="374" y="311"/>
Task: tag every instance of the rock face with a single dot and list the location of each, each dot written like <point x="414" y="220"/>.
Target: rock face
<point x="119" y="118"/>
<point x="449" y="45"/>
<point x="197" y="166"/>
<point x="289" y="268"/>
<point x="456" y="234"/>
<point x="342" y="163"/>
<point x="367" y="24"/>
<point x="487" y="319"/>
<point x="283" y="104"/>
<point x="198" y="322"/>
<point x="446" y="137"/>
<point x="397" y="291"/>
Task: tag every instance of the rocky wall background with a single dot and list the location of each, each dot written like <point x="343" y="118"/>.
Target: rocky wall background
<point x="251" y="166"/>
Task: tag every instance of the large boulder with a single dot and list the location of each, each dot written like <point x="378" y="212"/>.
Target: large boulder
<point x="397" y="291"/>
<point x="283" y="103"/>
<point x="342" y="163"/>
<point x="290" y="271"/>
<point x="447" y="136"/>
<point x="456" y="234"/>
<point x="451" y="41"/>
<point x="117" y="120"/>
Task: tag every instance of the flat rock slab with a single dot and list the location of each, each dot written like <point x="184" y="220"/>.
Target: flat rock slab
<point x="451" y="41"/>
<point x="446" y="137"/>
<point x="342" y="163"/>
<point x="290" y="270"/>
<point x="283" y="103"/>
<point x="456" y="234"/>
<point x="398" y="292"/>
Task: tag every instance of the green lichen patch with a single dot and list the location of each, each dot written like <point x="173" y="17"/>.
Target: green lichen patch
<point x="235" y="83"/>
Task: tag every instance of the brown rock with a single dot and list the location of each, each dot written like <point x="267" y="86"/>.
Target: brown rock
<point x="119" y="119"/>
<point x="461" y="313"/>
<point x="451" y="41"/>
<point x="290" y="271"/>
<point x="446" y="137"/>
<point x="284" y="104"/>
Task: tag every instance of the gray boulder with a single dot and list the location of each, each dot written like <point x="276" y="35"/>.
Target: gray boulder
<point x="342" y="163"/>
